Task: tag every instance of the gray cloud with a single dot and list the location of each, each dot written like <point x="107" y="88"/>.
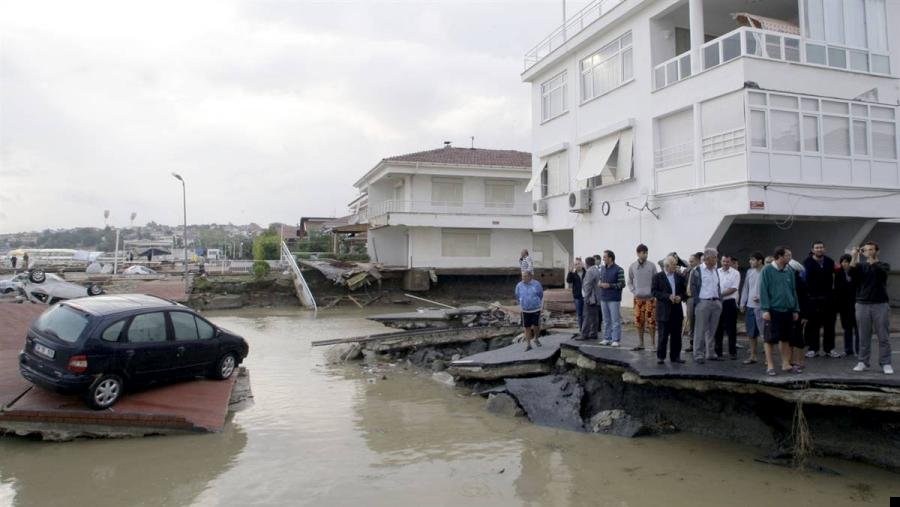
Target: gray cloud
<point x="270" y="109"/>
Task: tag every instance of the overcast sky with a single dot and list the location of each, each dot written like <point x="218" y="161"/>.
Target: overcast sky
<point x="270" y="109"/>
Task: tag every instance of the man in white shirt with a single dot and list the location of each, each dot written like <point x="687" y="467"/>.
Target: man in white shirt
<point x="707" y="301"/>
<point x="730" y="282"/>
<point x="750" y="304"/>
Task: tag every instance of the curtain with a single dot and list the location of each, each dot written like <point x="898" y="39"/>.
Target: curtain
<point x="834" y="21"/>
<point x="855" y="23"/>
<point x="815" y="20"/>
<point x="876" y="25"/>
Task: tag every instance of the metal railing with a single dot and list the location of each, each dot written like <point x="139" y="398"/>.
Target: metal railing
<point x="448" y="207"/>
<point x="746" y="41"/>
<point x="572" y="27"/>
<point x="303" y="292"/>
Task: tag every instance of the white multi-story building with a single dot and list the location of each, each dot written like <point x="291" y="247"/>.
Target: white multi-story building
<point x="737" y="124"/>
<point x="453" y="208"/>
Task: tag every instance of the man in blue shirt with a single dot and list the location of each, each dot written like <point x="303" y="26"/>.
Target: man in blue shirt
<point x="530" y="296"/>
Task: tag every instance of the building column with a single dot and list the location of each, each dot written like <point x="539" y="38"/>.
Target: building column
<point x="695" y="9"/>
<point x="860" y="235"/>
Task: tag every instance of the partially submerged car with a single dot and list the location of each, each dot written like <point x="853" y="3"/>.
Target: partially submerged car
<point x="40" y="287"/>
<point x="97" y="346"/>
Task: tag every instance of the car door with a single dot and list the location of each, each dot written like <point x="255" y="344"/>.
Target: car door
<point x="195" y="344"/>
<point x="149" y="353"/>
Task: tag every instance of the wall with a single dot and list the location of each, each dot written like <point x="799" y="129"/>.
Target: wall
<point x="388" y="245"/>
<point x="506" y="245"/>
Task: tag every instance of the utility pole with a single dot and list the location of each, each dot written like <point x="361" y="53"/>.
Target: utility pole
<point x="184" y="203"/>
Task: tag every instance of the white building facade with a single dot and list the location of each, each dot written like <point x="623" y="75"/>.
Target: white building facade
<point x="683" y="124"/>
<point x="453" y="208"/>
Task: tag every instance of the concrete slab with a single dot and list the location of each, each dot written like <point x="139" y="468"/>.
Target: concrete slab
<point x="198" y="405"/>
<point x="819" y="372"/>
<point x="511" y="361"/>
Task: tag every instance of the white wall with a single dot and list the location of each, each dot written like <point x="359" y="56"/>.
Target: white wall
<point x="388" y="245"/>
<point x="506" y="245"/>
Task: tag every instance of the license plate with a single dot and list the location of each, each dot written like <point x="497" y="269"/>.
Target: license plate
<point x="44" y="351"/>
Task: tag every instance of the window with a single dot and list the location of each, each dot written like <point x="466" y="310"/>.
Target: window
<point x="447" y="192"/>
<point x="785" y="130"/>
<point x="828" y="127"/>
<point x="465" y="243"/>
<point x="205" y="329"/>
<point x="859" y="27"/>
<point x="675" y="139"/>
<point x="836" y="131"/>
<point x="553" y="97"/>
<point x="884" y="140"/>
<point x="62" y="322"/>
<point x="758" y="129"/>
<point x="810" y="133"/>
<point x="499" y="194"/>
<point x="606" y="160"/>
<point x="608" y="68"/>
<point x="555" y="175"/>
<point x="860" y="138"/>
<point x="112" y="333"/>
<point x="149" y="327"/>
<point x="184" y="326"/>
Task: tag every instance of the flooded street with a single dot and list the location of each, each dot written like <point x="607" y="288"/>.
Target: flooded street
<point x="328" y="435"/>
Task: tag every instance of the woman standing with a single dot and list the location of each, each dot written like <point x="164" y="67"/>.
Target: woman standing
<point x="845" y="300"/>
<point x="574" y="278"/>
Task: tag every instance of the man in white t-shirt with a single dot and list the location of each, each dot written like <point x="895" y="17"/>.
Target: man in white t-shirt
<point x="730" y="283"/>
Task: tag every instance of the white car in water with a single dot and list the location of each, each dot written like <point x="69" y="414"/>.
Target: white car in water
<point x="40" y="287"/>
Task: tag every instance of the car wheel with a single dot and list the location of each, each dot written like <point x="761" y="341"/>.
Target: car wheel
<point x="37" y="276"/>
<point x="225" y="366"/>
<point x="104" y="392"/>
<point x="94" y="290"/>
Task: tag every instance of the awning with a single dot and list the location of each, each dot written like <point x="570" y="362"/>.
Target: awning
<point x="594" y="156"/>
<point x="756" y="21"/>
<point x="626" y="147"/>
<point x="534" y="180"/>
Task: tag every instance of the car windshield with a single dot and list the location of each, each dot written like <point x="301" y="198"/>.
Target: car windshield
<point x="62" y="322"/>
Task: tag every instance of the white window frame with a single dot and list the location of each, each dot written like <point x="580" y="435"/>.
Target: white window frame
<point x="448" y="181"/>
<point x="624" y="51"/>
<point x="557" y="86"/>
<point x="811" y="106"/>
<point x="499" y="183"/>
<point x="835" y="48"/>
<point x="480" y="235"/>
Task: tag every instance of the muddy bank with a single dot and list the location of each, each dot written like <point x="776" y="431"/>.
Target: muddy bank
<point x="607" y="400"/>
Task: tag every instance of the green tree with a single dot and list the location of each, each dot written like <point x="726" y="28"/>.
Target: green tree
<point x="267" y="246"/>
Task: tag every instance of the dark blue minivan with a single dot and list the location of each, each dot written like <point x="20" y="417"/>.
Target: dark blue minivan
<point x="96" y="346"/>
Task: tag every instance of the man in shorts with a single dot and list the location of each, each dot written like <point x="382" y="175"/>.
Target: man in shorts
<point x="530" y="296"/>
<point x="640" y="282"/>
<point x="781" y="309"/>
<point x="750" y="305"/>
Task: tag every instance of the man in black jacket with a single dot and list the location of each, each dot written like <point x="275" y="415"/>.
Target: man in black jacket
<point x="820" y="286"/>
<point x="669" y="288"/>
<point x="575" y="279"/>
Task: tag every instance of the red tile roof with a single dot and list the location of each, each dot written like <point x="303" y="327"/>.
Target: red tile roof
<point x="468" y="156"/>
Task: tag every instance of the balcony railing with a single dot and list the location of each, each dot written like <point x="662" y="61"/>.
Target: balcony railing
<point x="770" y="45"/>
<point x="448" y="208"/>
<point x="572" y="27"/>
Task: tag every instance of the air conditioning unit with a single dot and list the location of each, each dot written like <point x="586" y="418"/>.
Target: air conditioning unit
<point x="539" y="207"/>
<point x="580" y="201"/>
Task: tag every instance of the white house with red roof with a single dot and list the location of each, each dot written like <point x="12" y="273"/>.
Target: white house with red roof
<point x="454" y="208"/>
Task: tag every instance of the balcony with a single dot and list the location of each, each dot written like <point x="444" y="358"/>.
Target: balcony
<point x="449" y="214"/>
<point x="770" y="45"/>
<point x="572" y="27"/>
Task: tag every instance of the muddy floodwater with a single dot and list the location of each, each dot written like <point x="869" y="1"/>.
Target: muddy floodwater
<point x="322" y="434"/>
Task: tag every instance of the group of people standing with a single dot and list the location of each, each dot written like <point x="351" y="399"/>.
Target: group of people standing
<point x="793" y="307"/>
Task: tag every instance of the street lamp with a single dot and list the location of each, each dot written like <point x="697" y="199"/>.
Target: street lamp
<point x="184" y="199"/>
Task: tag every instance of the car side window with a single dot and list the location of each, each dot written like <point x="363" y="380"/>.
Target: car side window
<point x="205" y="329"/>
<point x="112" y="333"/>
<point x="147" y="327"/>
<point x="183" y="325"/>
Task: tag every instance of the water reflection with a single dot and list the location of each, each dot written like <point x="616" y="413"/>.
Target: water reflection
<point x="322" y="434"/>
<point x="170" y="470"/>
